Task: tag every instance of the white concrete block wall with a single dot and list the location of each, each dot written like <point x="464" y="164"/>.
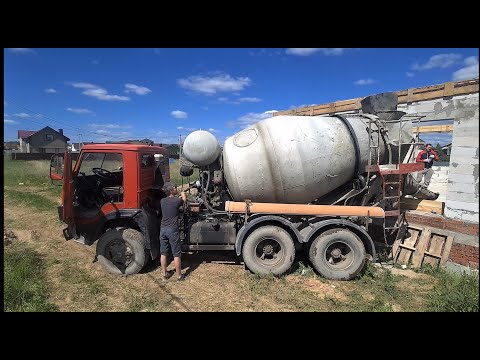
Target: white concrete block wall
<point x="462" y="195"/>
<point x="463" y="180"/>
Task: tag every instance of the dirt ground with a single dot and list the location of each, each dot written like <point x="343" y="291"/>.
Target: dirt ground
<point x="216" y="281"/>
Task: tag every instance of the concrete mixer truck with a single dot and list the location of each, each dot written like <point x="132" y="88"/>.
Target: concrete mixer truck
<point x="318" y="184"/>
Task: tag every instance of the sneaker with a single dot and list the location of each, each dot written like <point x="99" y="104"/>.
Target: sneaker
<point x="182" y="277"/>
<point x="168" y="275"/>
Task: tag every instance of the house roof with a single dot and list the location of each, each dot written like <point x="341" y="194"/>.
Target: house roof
<point x="22" y="134"/>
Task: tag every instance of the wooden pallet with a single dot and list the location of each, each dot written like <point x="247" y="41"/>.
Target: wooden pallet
<point x="422" y="245"/>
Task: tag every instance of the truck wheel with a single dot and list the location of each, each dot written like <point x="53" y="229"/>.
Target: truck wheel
<point x="121" y="251"/>
<point x="268" y="249"/>
<point x="337" y="254"/>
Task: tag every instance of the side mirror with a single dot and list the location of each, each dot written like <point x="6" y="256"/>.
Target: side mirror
<point x="56" y="167"/>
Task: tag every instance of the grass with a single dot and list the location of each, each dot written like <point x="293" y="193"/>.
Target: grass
<point x="31" y="174"/>
<point x="35" y="201"/>
<point x="375" y="291"/>
<point x="81" y="279"/>
<point x="454" y="293"/>
<point x="305" y="270"/>
<point x="25" y="286"/>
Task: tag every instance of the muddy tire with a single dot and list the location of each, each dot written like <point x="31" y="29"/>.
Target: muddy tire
<point x="268" y="249"/>
<point x="121" y="251"/>
<point x="337" y="254"/>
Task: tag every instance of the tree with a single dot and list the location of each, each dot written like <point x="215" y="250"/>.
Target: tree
<point x="172" y="148"/>
<point x="443" y="157"/>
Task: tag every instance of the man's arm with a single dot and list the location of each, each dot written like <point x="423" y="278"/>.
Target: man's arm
<point x="436" y="156"/>
<point x="184" y="197"/>
<point x="419" y="157"/>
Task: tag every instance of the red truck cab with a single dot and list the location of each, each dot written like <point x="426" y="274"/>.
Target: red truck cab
<point x="112" y="193"/>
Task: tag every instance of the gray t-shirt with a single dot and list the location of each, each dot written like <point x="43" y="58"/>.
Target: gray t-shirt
<point x="170" y="209"/>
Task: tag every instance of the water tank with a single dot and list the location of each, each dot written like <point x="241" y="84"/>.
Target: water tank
<point x="201" y="148"/>
<point x="295" y="159"/>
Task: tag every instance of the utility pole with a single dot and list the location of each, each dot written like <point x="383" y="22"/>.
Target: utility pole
<point x="179" y="146"/>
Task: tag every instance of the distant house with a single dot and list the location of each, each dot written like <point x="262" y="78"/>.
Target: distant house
<point x="75" y="147"/>
<point x="147" y="141"/>
<point x="10" y="145"/>
<point x="136" y="142"/>
<point x="46" y="140"/>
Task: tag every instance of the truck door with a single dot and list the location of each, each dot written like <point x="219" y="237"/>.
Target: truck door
<point x="67" y="190"/>
<point x="61" y="169"/>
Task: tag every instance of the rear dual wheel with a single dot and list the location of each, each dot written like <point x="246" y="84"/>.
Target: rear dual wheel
<point x="268" y="249"/>
<point x="337" y="254"/>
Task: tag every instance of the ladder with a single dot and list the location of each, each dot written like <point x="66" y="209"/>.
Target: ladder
<point x="392" y="175"/>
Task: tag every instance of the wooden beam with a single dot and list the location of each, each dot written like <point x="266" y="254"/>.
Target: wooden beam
<point x="404" y="96"/>
<point x="430" y="206"/>
<point x="433" y="128"/>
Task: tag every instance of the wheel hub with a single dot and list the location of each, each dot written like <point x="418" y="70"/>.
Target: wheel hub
<point x="268" y="249"/>
<point x="119" y="253"/>
<point x="336" y="253"/>
<point x="117" y="256"/>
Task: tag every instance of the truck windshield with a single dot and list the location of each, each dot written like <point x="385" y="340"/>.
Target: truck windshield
<point x="107" y="161"/>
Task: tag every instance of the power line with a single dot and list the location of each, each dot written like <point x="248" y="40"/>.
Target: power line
<point x="68" y="125"/>
<point x="78" y="129"/>
<point x="64" y="124"/>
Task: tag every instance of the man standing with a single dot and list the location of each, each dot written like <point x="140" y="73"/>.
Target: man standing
<point x="169" y="235"/>
<point x="426" y="156"/>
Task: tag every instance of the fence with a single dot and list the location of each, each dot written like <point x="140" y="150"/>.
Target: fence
<point x="38" y="156"/>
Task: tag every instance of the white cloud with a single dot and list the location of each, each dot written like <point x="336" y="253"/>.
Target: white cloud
<point x="214" y="83"/>
<point x="22" y="51"/>
<point x="181" y="128"/>
<point x="80" y="111"/>
<point x="249" y="99"/>
<point x="22" y="115"/>
<point x="410" y="74"/>
<point x="213" y="130"/>
<point x="205" y="108"/>
<point x="83" y="85"/>
<point x="226" y="100"/>
<point x="50" y="91"/>
<point x="6" y="121"/>
<point x="98" y="92"/>
<point x="139" y="90"/>
<point x="101" y="94"/>
<point x="270" y="111"/>
<point x="249" y="119"/>
<point x="178" y="114"/>
<point x="470" y="70"/>
<point x="364" y="82"/>
<point x="95" y="62"/>
<point x="101" y="131"/>
<point x="310" y="51"/>
<point x="441" y="61"/>
<point x="109" y="126"/>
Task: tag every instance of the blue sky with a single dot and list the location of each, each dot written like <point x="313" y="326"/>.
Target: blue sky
<point x="119" y="94"/>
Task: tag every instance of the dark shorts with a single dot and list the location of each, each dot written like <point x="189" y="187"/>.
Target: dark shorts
<point x="170" y="240"/>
